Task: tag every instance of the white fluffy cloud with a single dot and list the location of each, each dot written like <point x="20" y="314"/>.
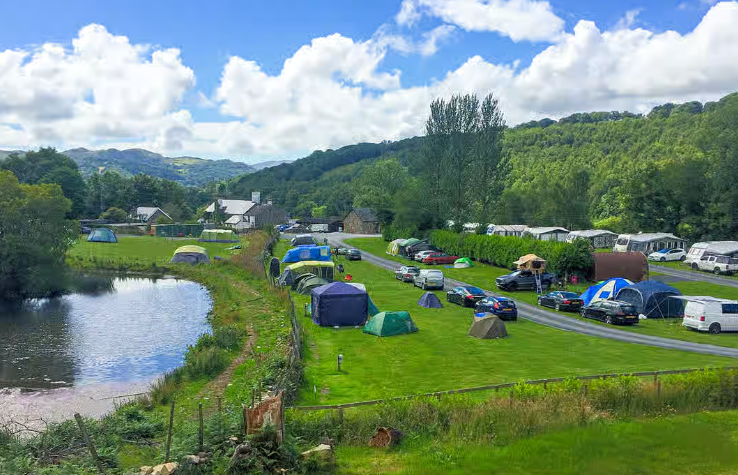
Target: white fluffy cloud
<point x="102" y="88"/>
<point x="306" y="107"/>
<point x="519" y="19"/>
<point x="335" y="90"/>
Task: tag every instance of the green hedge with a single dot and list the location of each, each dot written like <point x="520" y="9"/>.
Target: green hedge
<point x="502" y="251"/>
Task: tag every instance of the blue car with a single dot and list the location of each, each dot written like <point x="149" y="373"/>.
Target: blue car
<point x="500" y="306"/>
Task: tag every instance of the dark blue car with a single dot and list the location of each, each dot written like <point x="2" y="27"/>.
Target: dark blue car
<point x="500" y="306"/>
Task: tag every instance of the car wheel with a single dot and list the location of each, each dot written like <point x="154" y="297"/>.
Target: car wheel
<point x="608" y="320"/>
<point x="539" y="301"/>
<point x="694" y="266"/>
<point x="448" y="299"/>
<point x="512" y="287"/>
<point x="583" y="313"/>
<point x="714" y="328"/>
<point x="663" y="259"/>
<point x="682" y="258"/>
<point x="716" y="271"/>
<point x="558" y="307"/>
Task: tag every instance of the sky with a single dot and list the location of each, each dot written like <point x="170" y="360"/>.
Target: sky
<point x="253" y="80"/>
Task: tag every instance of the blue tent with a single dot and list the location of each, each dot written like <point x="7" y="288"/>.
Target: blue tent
<point x="429" y="300"/>
<point x="339" y="304"/>
<point x="373" y="310"/>
<point x="652" y="299"/>
<point x="307" y="253"/>
<point x="607" y="289"/>
<point x="102" y="235"/>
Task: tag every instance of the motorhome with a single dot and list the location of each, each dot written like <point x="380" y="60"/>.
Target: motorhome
<point x="647" y="242"/>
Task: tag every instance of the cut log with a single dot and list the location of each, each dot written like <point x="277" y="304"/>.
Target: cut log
<point x="386" y="437"/>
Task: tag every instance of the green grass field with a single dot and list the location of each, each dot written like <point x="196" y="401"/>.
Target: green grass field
<point x="483" y="276"/>
<point x="441" y="355"/>
<point x="704" y="443"/>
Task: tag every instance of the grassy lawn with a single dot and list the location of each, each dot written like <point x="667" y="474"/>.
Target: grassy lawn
<point x="483" y="276"/>
<point x="659" y="446"/>
<point x="441" y="355"/>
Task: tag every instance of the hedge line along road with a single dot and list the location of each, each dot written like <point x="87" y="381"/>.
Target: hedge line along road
<point x="561" y="322"/>
<point x="694" y="275"/>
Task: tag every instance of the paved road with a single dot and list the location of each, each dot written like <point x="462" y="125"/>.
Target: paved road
<point x="561" y="322"/>
<point x="694" y="275"/>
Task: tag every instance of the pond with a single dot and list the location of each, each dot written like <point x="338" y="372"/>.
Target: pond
<point x="112" y="336"/>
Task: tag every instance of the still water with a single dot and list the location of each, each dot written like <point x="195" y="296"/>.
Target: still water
<point x="115" y="336"/>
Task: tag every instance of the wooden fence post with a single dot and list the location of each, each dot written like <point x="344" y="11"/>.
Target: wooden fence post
<point x="89" y="443"/>
<point x="245" y="412"/>
<point x="511" y="398"/>
<point x="340" y="415"/>
<point x="201" y="431"/>
<point x="658" y="391"/>
<point x="169" y="434"/>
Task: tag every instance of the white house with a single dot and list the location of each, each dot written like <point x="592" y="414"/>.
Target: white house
<point x="149" y="214"/>
<point x="231" y="211"/>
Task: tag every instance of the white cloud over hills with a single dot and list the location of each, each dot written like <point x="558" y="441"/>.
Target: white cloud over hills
<point x="335" y="91"/>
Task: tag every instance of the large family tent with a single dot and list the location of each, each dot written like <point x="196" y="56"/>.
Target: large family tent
<point x="303" y="240"/>
<point x="310" y="282"/>
<point x="488" y="327"/>
<point x="307" y="253"/>
<point x="102" y="235"/>
<point x="218" y="235"/>
<point x="463" y="262"/>
<point x="324" y="269"/>
<point x="190" y="255"/>
<point x="402" y="247"/>
<point x="338" y="304"/>
<point x="393" y="248"/>
<point x="652" y="299"/>
<point x="429" y="300"/>
<point x="390" y="324"/>
<point x="607" y="289"/>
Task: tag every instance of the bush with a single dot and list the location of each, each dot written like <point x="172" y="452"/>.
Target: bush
<point x="164" y="388"/>
<point x="207" y="362"/>
<point x="228" y="338"/>
<point x="502" y="251"/>
<point x="115" y="215"/>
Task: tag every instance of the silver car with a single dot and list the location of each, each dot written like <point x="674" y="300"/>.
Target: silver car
<point x="421" y="255"/>
<point x="429" y="279"/>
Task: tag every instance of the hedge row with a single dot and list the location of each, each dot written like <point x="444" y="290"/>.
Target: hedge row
<point x="502" y="251"/>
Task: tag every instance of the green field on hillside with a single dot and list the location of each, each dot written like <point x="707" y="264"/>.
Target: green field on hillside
<point x="667" y="446"/>
<point x="441" y="356"/>
<point x="483" y="276"/>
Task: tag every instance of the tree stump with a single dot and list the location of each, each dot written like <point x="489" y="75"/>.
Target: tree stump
<point x="386" y="437"/>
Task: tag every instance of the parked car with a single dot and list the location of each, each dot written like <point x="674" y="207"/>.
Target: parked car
<point x="85" y="230"/>
<point x="711" y="315"/>
<point x="667" y="255"/>
<point x="561" y="301"/>
<point x="717" y="264"/>
<point x="503" y="307"/>
<point x="422" y="255"/>
<point x="465" y="295"/>
<point x="341" y="251"/>
<point x="429" y="279"/>
<point x="353" y="255"/>
<point x="522" y="280"/>
<point x="611" y="311"/>
<point x="406" y="273"/>
<point x="435" y="258"/>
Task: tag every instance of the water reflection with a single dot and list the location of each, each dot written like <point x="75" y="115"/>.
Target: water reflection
<point x="113" y="329"/>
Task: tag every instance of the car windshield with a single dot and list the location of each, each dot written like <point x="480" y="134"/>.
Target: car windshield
<point x="412" y="270"/>
<point x="569" y="295"/>
<point x="434" y="273"/>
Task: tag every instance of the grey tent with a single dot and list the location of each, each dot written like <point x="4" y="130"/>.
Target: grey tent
<point x="429" y="300"/>
<point x="304" y="286"/>
<point x="191" y="255"/>
<point x="287" y="277"/>
<point x="488" y="327"/>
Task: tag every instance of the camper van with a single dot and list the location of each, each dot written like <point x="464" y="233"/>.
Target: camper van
<point x="711" y="315"/>
<point x="647" y="242"/>
<point x="711" y="248"/>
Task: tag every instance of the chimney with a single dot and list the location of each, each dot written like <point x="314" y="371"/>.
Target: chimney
<point x="256" y="197"/>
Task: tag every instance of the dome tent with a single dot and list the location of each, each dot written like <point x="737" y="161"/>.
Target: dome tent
<point x="339" y="304"/>
<point x="604" y="290"/>
<point x="218" y="235"/>
<point x="390" y="324"/>
<point x="191" y="255"/>
<point x="102" y="235"/>
<point x="306" y="285"/>
<point x="652" y="299"/>
<point x="394" y="247"/>
<point x="488" y="327"/>
<point x="429" y="300"/>
<point x="463" y="262"/>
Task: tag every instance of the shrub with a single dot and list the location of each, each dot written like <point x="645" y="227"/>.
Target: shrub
<point x="164" y="388"/>
<point x="228" y="338"/>
<point x="207" y="362"/>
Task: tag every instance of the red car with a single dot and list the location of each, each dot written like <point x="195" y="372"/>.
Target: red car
<point x="439" y="258"/>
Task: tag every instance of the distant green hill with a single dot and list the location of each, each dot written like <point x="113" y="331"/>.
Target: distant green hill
<point x="185" y="170"/>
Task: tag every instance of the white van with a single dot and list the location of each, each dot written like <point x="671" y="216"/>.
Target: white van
<point x="709" y="248"/>
<point x="708" y="314"/>
<point x="429" y="279"/>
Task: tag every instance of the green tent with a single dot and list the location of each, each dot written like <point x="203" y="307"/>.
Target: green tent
<point x="390" y="323"/>
<point x="191" y="255"/>
<point x="463" y="262"/>
<point x="218" y="235"/>
<point x="488" y="327"/>
<point x="309" y="283"/>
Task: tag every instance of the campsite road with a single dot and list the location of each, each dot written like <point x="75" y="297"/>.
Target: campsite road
<point x="561" y="322"/>
<point x="694" y="275"/>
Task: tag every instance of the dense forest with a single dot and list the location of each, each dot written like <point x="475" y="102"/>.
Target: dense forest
<point x="672" y="170"/>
